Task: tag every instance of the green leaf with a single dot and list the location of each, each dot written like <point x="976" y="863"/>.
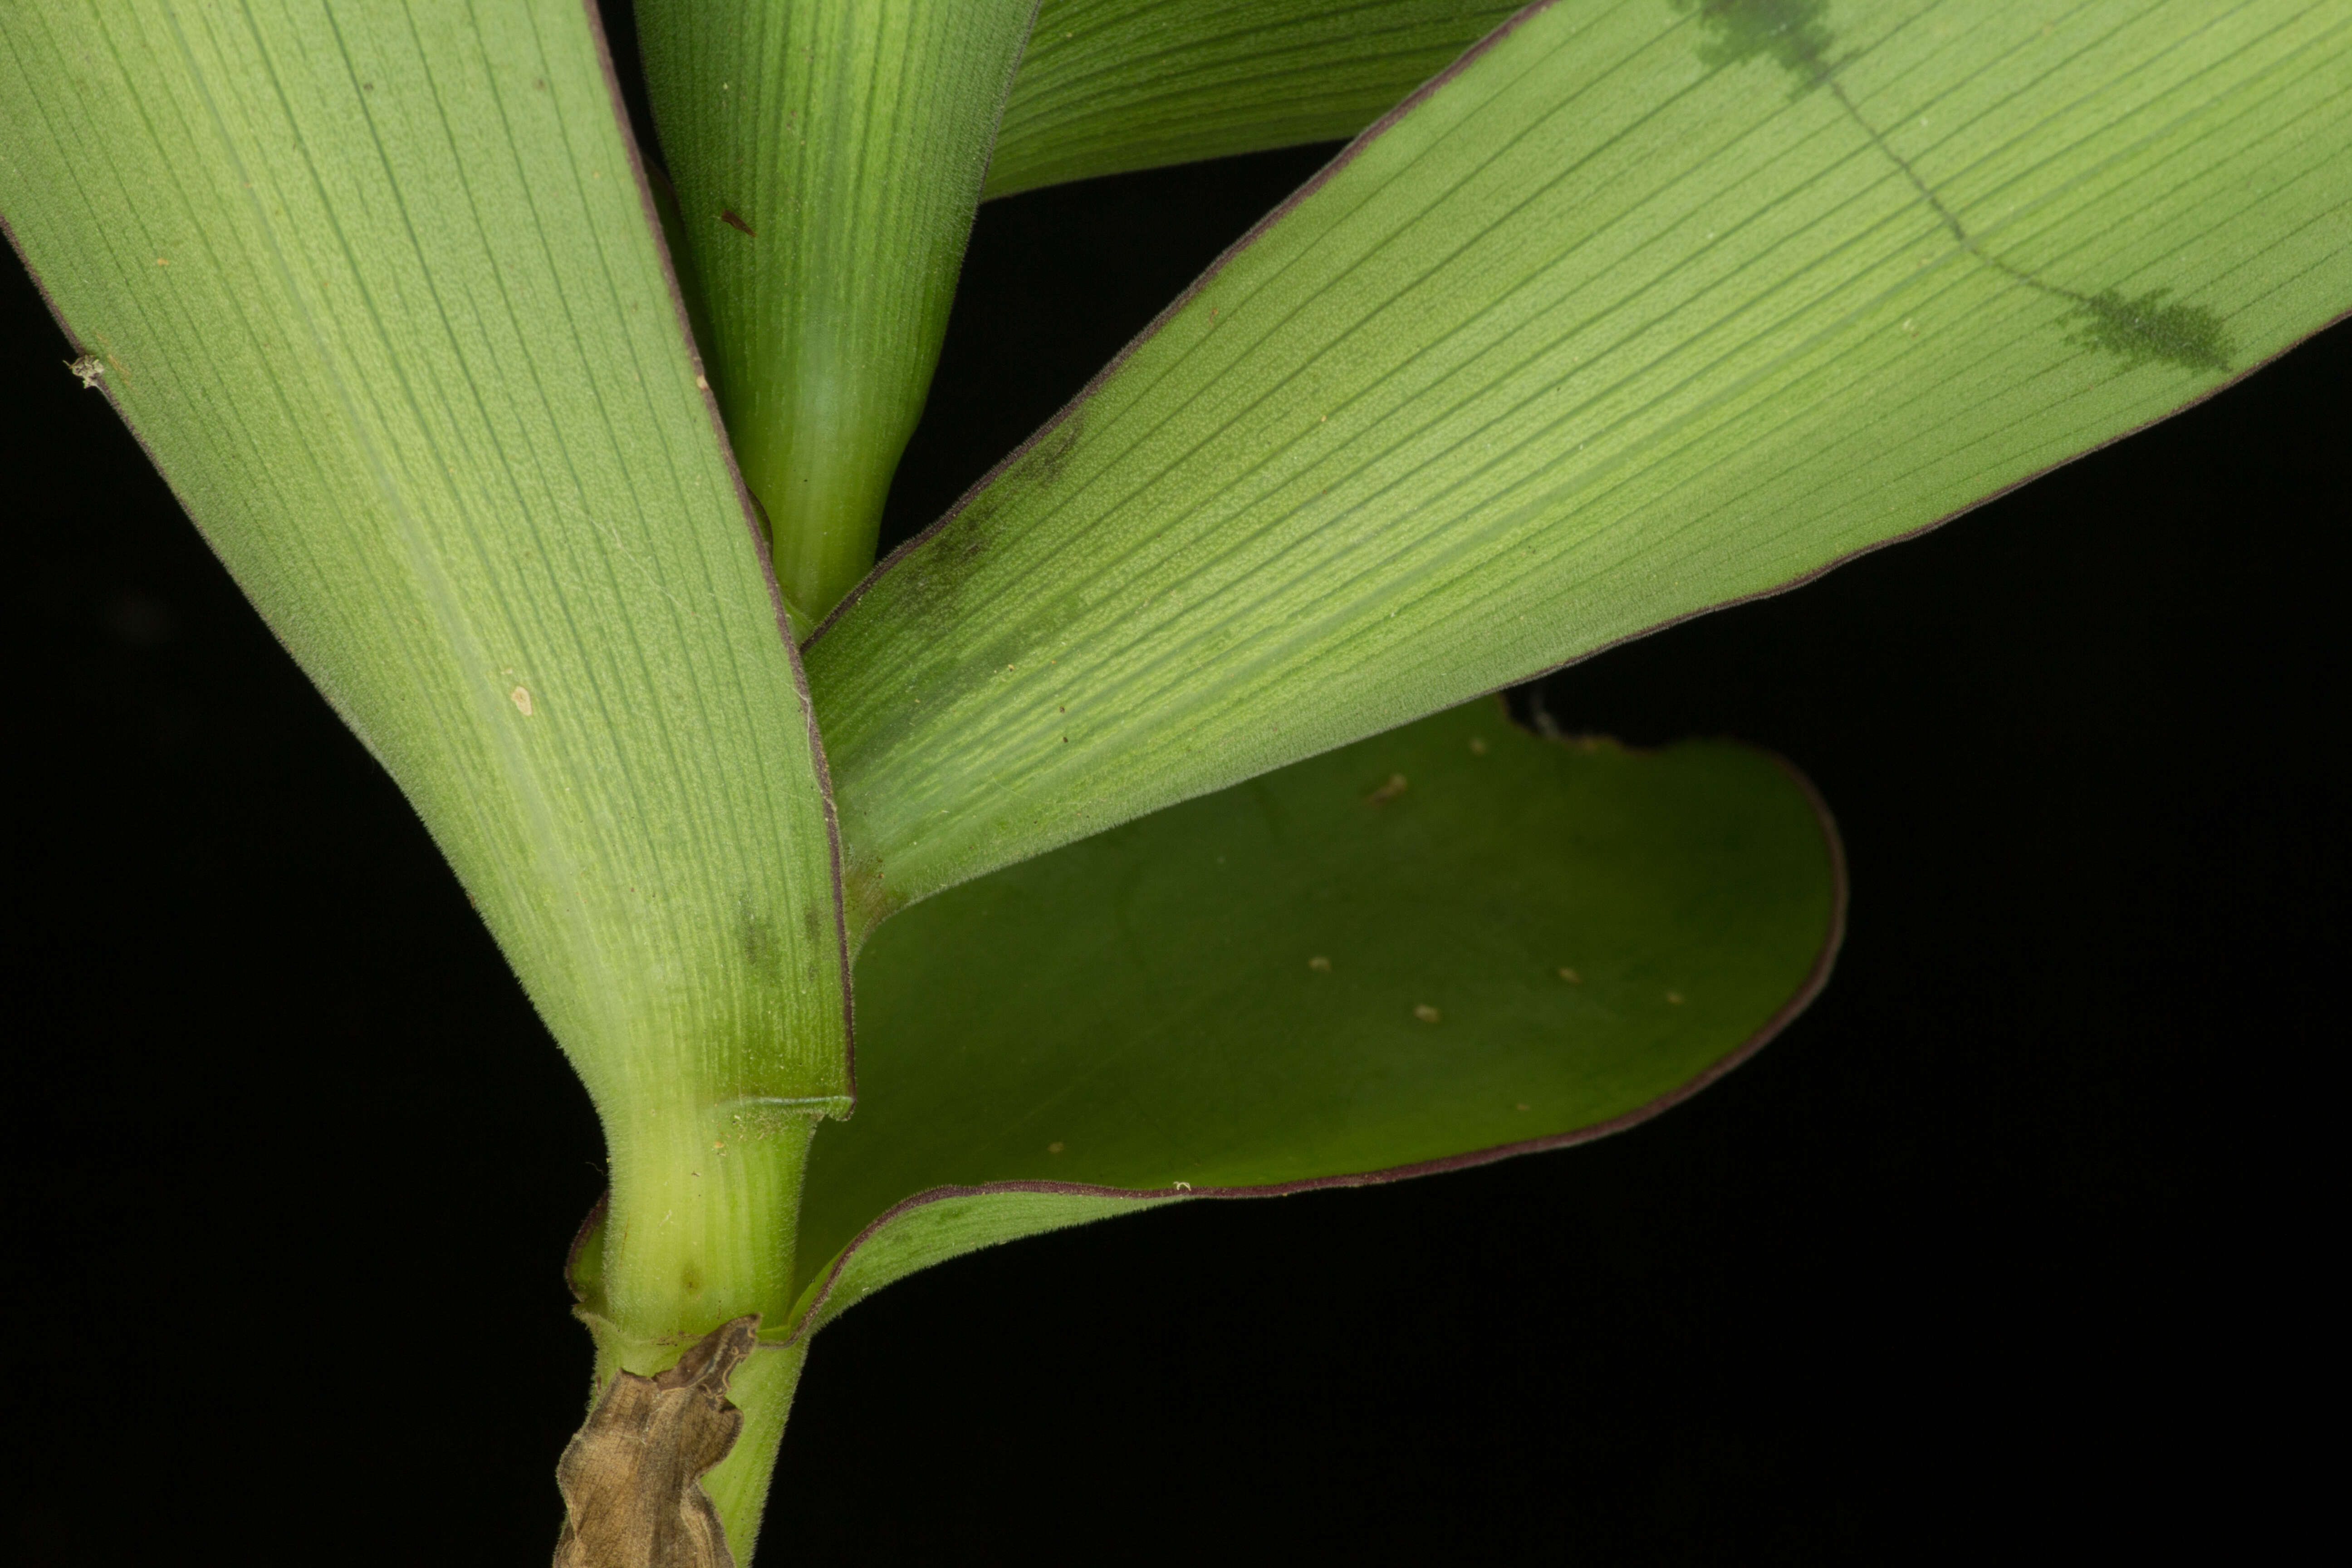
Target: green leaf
<point x="1112" y="84"/>
<point x="381" y="293"/>
<point x="1626" y="317"/>
<point x="828" y="160"/>
<point x="1436" y="947"/>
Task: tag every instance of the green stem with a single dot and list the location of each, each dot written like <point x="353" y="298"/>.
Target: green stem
<point x="829" y="156"/>
<point x="763" y="1391"/>
<point x="699" y="1228"/>
<point x="822" y="472"/>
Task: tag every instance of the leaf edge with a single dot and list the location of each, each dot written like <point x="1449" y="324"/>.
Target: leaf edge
<point x="809" y="1313"/>
<point x="745" y="509"/>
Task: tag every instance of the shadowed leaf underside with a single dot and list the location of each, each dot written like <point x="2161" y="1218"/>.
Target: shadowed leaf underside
<point x="1438" y="946"/>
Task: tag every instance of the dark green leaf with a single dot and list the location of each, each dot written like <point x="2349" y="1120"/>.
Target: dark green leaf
<point x="1435" y="947"/>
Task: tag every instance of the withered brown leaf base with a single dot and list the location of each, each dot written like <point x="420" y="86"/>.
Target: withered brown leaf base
<point x="632" y="1477"/>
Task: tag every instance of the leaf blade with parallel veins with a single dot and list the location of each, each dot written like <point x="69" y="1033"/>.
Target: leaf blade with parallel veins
<point x="1610" y="326"/>
<point x="386" y="304"/>
<point x="1107" y="85"/>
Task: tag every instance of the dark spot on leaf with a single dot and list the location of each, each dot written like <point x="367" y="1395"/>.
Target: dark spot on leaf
<point x="1792" y="34"/>
<point x="2147" y="329"/>
<point x="867" y="894"/>
<point x="1046" y="463"/>
<point x="812" y="930"/>
<point x="1789" y="33"/>
<point x="726" y="215"/>
<point x="757" y="937"/>
<point x="936" y="571"/>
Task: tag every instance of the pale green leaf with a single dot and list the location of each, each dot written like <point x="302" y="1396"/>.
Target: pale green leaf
<point x="828" y="160"/>
<point x="1442" y="945"/>
<point x="1644" y="308"/>
<point x="1111" y="84"/>
<point x="379" y="288"/>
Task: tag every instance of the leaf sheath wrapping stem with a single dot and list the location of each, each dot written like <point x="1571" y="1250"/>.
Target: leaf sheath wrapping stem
<point x="828" y="155"/>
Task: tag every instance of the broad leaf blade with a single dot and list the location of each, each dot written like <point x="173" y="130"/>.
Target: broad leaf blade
<point x="1616" y="323"/>
<point x="1112" y="84"/>
<point x="380" y="292"/>
<point x="1441" y="945"/>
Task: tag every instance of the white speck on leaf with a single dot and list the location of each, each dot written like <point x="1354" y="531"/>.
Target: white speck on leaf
<point x="89" y="367"/>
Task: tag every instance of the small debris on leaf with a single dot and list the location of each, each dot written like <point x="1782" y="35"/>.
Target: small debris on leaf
<point x="89" y="367"/>
<point x="1054" y="1148"/>
<point x="1570" y="975"/>
<point x="1387" y="791"/>
<point x="1319" y="963"/>
<point x="521" y="699"/>
<point x="1675" y="998"/>
<point x="1426" y="1014"/>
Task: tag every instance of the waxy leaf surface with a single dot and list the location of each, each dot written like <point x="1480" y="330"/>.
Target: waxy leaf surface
<point x="1441" y="945"/>
<point x="1646" y="307"/>
<point x="1112" y="84"/>
<point x="379" y="288"/>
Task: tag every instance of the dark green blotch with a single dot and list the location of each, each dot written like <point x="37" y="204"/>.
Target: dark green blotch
<point x="2146" y="330"/>
<point x="1789" y="33"/>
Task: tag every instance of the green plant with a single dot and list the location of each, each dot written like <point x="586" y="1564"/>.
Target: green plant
<point x="461" y="462"/>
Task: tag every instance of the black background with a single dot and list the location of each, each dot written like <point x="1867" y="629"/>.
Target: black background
<point x="1976" y="1256"/>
